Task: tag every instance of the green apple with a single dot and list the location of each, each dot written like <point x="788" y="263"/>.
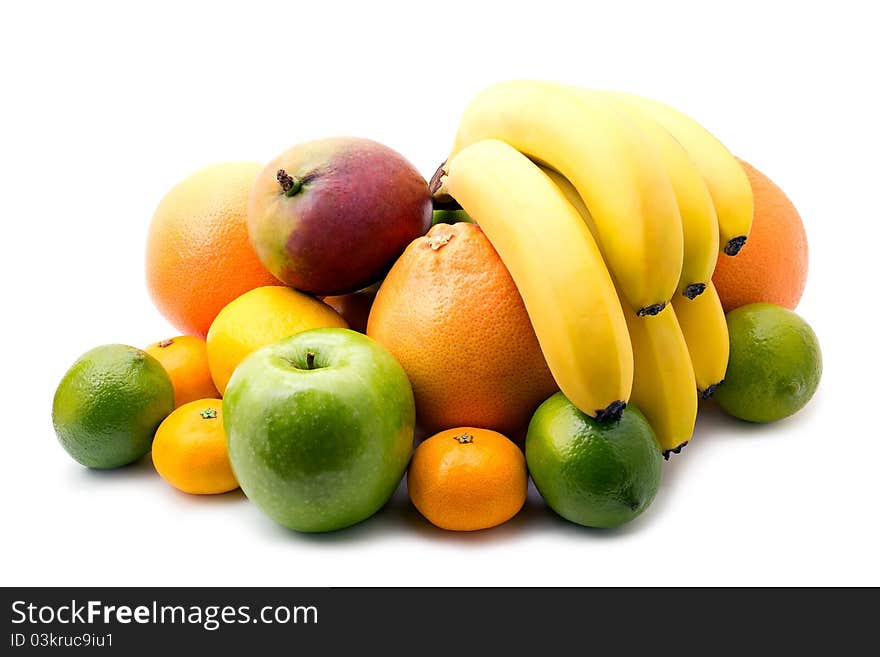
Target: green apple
<point x="320" y="428"/>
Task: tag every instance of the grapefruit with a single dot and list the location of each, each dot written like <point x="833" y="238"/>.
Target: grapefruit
<point x="450" y="313"/>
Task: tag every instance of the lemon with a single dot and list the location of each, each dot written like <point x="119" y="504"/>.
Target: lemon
<point x="258" y="318"/>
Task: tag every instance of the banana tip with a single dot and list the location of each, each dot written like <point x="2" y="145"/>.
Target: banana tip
<point x="674" y="450"/>
<point x="694" y="290"/>
<point x="708" y="391"/>
<point x="735" y="245"/>
<point x="651" y="310"/>
<point x="612" y="412"/>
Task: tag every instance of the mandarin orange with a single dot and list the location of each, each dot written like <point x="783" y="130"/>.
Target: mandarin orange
<point x="185" y="358"/>
<point x="467" y="478"/>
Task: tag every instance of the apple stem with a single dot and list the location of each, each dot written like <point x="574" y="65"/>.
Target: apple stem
<point x="289" y="184"/>
<point x="310" y="360"/>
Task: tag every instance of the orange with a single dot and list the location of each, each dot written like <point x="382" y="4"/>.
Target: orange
<point x="260" y="317"/>
<point x="467" y="478"/>
<point x="450" y="313"/>
<point x="772" y="266"/>
<point x="189" y="450"/>
<point x="199" y="257"/>
<point x="185" y="358"/>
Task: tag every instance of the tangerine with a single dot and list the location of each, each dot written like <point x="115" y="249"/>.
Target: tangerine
<point x="466" y="479"/>
<point x="189" y="450"/>
<point x="185" y="358"/>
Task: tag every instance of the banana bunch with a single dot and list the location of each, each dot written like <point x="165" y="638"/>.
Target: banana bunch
<point x="610" y="212"/>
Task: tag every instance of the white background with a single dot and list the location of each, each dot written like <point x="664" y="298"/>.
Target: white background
<point x="106" y="106"/>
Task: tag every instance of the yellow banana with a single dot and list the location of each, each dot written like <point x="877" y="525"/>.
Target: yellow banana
<point x="699" y="222"/>
<point x="663" y="382"/>
<point x="705" y="330"/>
<point x="725" y="178"/>
<point x="572" y="196"/>
<point x="613" y="167"/>
<point x="664" y="388"/>
<point x="558" y="270"/>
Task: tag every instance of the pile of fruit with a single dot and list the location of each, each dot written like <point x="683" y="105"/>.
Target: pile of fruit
<point x="563" y="318"/>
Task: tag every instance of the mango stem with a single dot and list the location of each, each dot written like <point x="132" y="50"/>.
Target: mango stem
<point x="289" y="184"/>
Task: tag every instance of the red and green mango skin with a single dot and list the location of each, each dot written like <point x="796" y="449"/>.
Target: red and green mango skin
<point x="359" y="205"/>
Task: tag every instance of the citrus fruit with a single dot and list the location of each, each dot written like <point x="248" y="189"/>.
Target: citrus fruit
<point x="189" y="451"/>
<point x="467" y="479"/>
<point x="199" y="257"/>
<point x="260" y="317"/>
<point x="591" y="473"/>
<point x="185" y="358"/>
<point x="775" y="363"/>
<point x="451" y="314"/>
<point x="108" y="405"/>
<point x="772" y="266"/>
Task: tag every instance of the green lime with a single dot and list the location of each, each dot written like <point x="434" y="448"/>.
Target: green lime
<point x="451" y="217"/>
<point x="109" y="404"/>
<point x="595" y="474"/>
<point x="775" y="363"/>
